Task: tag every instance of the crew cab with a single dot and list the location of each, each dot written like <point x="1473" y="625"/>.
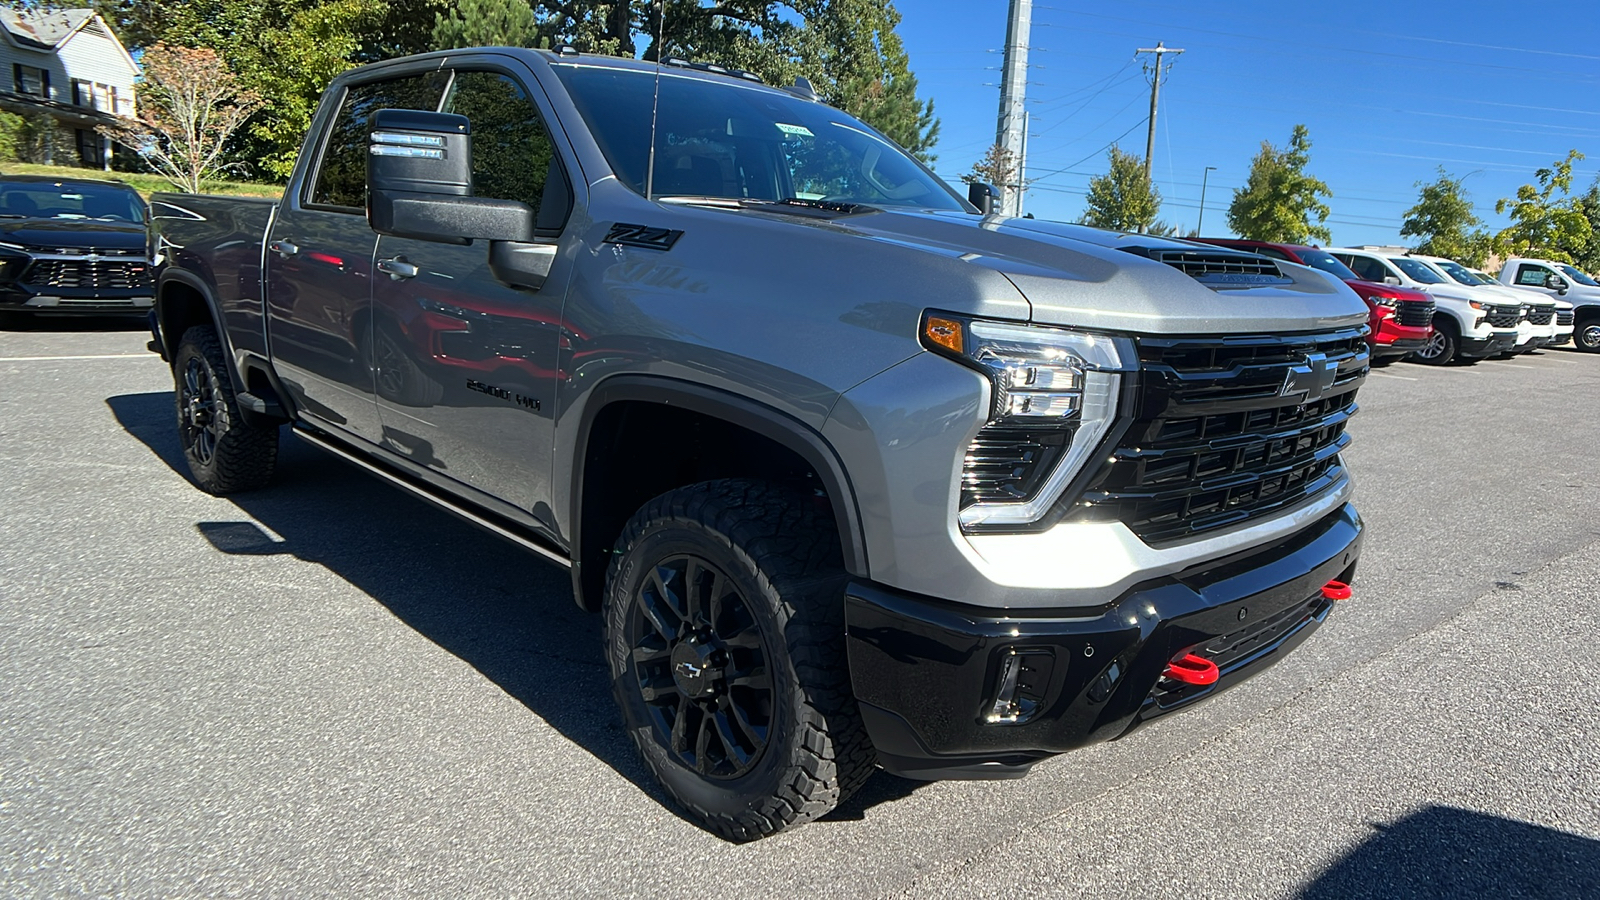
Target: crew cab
<point x="72" y="245"/>
<point x="1536" y="330"/>
<point x="1466" y="326"/>
<point x="1401" y="319"/>
<point x="857" y="473"/>
<point x="1564" y="282"/>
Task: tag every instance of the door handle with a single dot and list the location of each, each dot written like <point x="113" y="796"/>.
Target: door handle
<point x="284" y="249"/>
<point x="397" y="268"/>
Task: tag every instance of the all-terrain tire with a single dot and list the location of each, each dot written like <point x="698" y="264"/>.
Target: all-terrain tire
<point x="226" y="454"/>
<point x="784" y="585"/>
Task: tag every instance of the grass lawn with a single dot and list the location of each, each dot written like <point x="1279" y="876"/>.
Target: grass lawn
<point x="144" y="184"/>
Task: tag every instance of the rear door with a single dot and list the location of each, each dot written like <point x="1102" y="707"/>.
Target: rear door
<point x="319" y="264"/>
<point x="466" y="364"/>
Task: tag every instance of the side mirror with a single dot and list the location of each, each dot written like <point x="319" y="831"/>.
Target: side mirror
<point x="1556" y="283"/>
<point x="1390" y="279"/>
<point x="982" y="196"/>
<point x="419" y="185"/>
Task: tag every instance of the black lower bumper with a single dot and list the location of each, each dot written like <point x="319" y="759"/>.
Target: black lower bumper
<point x="1398" y="347"/>
<point x="932" y="677"/>
<point x="1492" y="345"/>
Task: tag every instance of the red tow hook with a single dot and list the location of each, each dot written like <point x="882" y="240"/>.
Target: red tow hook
<point x="1192" y="669"/>
<point x="1336" y="590"/>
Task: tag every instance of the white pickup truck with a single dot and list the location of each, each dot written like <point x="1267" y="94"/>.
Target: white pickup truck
<point x="1537" y="328"/>
<point x="1562" y="281"/>
<point x="1466" y="328"/>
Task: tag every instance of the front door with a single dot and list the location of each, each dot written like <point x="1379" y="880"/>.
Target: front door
<point x="467" y="365"/>
<point x="319" y="266"/>
<point x="1536" y="276"/>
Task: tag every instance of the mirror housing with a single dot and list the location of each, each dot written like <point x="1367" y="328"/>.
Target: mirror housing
<point x="419" y="182"/>
<point x="982" y="196"/>
<point x="1556" y="283"/>
<point x="1390" y="279"/>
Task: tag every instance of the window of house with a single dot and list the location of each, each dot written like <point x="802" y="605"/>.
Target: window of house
<point x="90" y="147"/>
<point x="30" y="80"/>
<point x="342" y="178"/>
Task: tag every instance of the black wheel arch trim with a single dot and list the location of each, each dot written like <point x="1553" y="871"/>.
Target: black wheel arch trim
<point x="752" y="415"/>
<point x="236" y="369"/>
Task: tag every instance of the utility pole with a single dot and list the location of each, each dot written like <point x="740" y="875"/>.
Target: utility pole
<point x="1022" y="164"/>
<point x="1011" y="131"/>
<point x="1159" y="50"/>
<point x="1203" y="177"/>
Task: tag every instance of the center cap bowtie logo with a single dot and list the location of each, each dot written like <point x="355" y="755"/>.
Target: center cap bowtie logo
<point x="1310" y="379"/>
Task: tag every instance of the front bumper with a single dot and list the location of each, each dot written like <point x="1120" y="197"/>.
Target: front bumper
<point x="76" y="301"/>
<point x="1496" y="343"/>
<point x="1398" y="347"/>
<point x="927" y="673"/>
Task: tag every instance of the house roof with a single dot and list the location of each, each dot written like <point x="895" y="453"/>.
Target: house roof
<point x="44" y="29"/>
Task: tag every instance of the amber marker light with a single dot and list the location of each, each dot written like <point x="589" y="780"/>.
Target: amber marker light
<point x="943" y="332"/>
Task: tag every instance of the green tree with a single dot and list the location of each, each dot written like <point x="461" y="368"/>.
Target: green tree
<point x="998" y="167"/>
<point x="1442" y="218"/>
<point x="1279" y="201"/>
<point x="1588" y="203"/>
<point x="486" y="23"/>
<point x="13" y="136"/>
<point x="1542" y="222"/>
<point x="1123" y="199"/>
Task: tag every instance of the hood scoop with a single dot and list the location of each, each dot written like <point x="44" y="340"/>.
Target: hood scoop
<point x="1217" y="269"/>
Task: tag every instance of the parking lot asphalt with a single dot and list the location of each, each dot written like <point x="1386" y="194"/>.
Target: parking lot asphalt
<point x="326" y="688"/>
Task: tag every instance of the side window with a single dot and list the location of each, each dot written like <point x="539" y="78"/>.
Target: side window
<point x="1271" y="253"/>
<point x="342" y="177"/>
<point x="1532" y="275"/>
<point x="512" y="157"/>
<point x="1368" y="269"/>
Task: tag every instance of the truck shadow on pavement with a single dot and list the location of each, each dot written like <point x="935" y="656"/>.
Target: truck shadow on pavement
<point x="1444" y="852"/>
<point x="501" y="610"/>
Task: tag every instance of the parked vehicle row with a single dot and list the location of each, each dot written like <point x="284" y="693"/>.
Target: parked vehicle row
<point x="72" y="245"/>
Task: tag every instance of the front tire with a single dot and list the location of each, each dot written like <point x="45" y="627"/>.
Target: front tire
<point x="1441" y="347"/>
<point x="1586" y="336"/>
<point x="724" y="633"/>
<point x="225" y="453"/>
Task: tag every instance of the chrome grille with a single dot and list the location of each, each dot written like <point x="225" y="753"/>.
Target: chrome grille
<point x="1216" y="441"/>
<point x="1414" y="313"/>
<point x="83" y="274"/>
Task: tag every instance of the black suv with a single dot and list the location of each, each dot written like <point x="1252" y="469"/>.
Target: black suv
<point x="71" y="245"/>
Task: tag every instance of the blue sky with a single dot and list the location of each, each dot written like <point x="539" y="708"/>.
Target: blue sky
<point x="1389" y="91"/>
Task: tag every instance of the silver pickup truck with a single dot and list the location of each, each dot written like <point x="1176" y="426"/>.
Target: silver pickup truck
<point x="858" y="474"/>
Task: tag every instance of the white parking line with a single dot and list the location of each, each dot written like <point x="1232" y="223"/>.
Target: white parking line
<point x="1496" y="362"/>
<point x="1387" y="375"/>
<point x="1564" y="362"/>
<point x="5" y="359"/>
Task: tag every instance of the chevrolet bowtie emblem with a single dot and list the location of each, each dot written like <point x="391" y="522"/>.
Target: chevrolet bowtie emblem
<point x="1311" y="379"/>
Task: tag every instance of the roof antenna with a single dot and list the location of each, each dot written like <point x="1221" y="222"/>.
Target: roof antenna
<point x="655" y="106"/>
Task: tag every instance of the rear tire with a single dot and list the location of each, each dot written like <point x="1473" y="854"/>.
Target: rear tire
<point x="1441" y="347"/>
<point x="724" y="633"/>
<point x="225" y="453"/>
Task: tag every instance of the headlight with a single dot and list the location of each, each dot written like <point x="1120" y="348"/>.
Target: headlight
<point x="1054" y="396"/>
<point x="1390" y="302"/>
<point x="1478" y="304"/>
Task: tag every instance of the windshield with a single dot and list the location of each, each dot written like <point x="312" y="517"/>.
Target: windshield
<point x="67" y="200"/>
<point x="1459" y="272"/>
<point x="738" y="142"/>
<point x="1321" y="259"/>
<point x="1578" y="276"/>
<point x="1417" y="271"/>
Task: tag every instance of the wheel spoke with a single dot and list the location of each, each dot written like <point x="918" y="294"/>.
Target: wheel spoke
<point x="696" y="576"/>
<point x="651" y="650"/>
<point x="715" y="592"/>
<point x="702" y="744"/>
<point x="653" y="601"/>
<point x="680" y="727"/>
<point x="732" y="747"/>
<point x="655" y="690"/>
<point x="746" y="638"/>
<point x="755" y="735"/>
<point x="755" y="677"/>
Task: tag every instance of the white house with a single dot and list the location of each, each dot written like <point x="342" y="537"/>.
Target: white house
<point x="68" y="65"/>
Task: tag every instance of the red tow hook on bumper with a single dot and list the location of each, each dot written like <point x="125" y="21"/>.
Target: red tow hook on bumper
<point x="1192" y="669"/>
<point x="1336" y="590"/>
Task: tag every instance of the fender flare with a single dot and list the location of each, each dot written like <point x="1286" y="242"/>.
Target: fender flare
<point x="752" y="415"/>
<point x="169" y="342"/>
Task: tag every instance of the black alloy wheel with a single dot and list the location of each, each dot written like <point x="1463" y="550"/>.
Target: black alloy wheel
<point x="724" y="634"/>
<point x="701" y="667"/>
<point x="225" y="451"/>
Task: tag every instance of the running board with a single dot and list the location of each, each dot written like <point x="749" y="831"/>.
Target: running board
<point x="422" y="493"/>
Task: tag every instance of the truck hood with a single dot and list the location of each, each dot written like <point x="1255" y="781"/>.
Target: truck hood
<point x="1092" y="278"/>
<point x="60" y="234"/>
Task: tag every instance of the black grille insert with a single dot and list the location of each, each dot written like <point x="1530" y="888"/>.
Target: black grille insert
<point x="1541" y="315"/>
<point x="1414" y="313"/>
<point x="1008" y="464"/>
<point x="1228" y="429"/>
<point x="1220" y="267"/>
<point x="83" y="274"/>
<point x="1503" y="316"/>
<point x="1564" y="316"/>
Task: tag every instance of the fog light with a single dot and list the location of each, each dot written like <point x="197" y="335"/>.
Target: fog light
<point x="1020" y="686"/>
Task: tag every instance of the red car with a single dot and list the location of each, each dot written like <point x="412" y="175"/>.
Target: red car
<point x="1401" y="319"/>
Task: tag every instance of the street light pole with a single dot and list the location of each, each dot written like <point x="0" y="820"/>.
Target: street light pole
<point x="1207" y="174"/>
